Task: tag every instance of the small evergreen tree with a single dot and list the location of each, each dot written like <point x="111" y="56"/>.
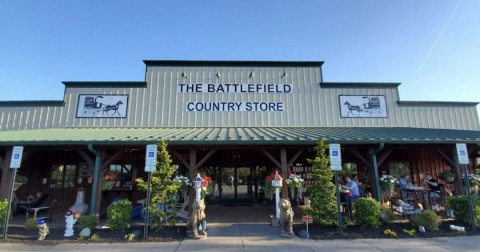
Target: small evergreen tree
<point x="162" y="187"/>
<point x="323" y="201"/>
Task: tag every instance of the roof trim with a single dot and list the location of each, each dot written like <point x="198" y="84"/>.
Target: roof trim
<point x="436" y="103"/>
<point x="237" y="136"/>
<point x="57" y="103"/>
<point x="231" y="63"/>
<point x="359" y="84"/>
<point x="104" y="83"/>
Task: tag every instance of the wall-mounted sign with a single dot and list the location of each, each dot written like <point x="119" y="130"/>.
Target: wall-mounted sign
<point x="233" y="106"/>
<point x="100" y="105"/>
<point x="362" y="106"/>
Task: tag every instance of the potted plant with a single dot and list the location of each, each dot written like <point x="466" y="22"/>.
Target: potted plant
<point x="19" y="181"/>
<point x="448" y="176"/>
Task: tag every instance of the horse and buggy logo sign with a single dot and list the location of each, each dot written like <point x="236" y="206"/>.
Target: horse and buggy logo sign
<point x="362" y="106"/>
<point x="102" y="106"/>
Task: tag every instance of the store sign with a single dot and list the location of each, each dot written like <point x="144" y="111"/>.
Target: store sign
<point x="242" y="106"/>
<point x="372" y="106"/>
<point x="335" y="157"/>
<point x="103" y="106"/>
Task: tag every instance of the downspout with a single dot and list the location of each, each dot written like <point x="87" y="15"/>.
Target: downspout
<point x="375" y="170"/>
<point x="95" y="178"/>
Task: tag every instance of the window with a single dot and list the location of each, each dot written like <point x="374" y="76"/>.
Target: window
<point x="63" y="176"/>
<point x="123" y="175"/>
<point x="397" y="169"/>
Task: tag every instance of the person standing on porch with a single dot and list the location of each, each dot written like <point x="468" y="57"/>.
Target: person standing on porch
<point x="353" y="187"/>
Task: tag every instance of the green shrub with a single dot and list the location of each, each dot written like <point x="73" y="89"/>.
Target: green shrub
<point x="389" y="233"/>
<point x="31" y="224"/>
<point x="459" y="205"/>
<point x="410" y="232"/>
<point x="88" y="221"/>
<point x="94" y="237"/>
<point x="428" y="219"/>
<point x="119" y="214"/>
<point x="367" y="212"/>
<point x="3" y="211"/>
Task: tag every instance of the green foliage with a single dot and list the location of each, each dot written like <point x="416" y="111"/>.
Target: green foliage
<point x="368" y="212"/>
<point x="94" y="237"/>
<point x="21" y="179"/>
<point x="130" y="237"/>
<point x="119" y="214"/>
<point x="162" y="187"/>
<point x="459" y="205"/>
<point x="428" y="219"/>
<point x="31" y="224"/>
<point x="410" y="232"/>
<point x="3" y="210"/>
<point x="323" y="201"/>
<point x="88" y="221"/>
<point x="389" y="233"/>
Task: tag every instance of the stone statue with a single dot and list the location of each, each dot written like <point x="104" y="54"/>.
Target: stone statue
<point x="80" y="207"/>
<point x="286" y="218"/>
<point x="42" y="229"/>
<point x="70" y="221"/>
<point x="198" y="218"/>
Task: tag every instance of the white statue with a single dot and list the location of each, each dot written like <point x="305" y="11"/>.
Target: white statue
<point x="70" y="221"/>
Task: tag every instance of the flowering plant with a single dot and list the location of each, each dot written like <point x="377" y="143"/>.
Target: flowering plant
<point x="387" y="181"/>
<point x="207" y="185"/>
<point x="268" y="188"/>
<point x="182" y="182"/>
<point x="473" y="179"/>
<point x="108" y="180"/>
<point x="296" y="184"/>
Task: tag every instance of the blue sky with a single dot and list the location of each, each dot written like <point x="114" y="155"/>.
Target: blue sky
<point x="432" y="47"/>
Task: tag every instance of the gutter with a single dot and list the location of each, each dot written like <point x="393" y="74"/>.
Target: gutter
<point x="95" y="178"/>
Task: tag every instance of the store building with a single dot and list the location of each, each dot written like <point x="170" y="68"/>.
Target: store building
<point x="234" y="120"/>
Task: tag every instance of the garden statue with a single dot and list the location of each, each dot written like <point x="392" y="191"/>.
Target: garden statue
<point x="80" y="206"/>
<point x="286" y="218"/>
<point x="70" y="221"/>
<point x="42" y="229"/>
<point x="198" y="218"/>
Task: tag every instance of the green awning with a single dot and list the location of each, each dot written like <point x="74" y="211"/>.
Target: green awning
<point x="235" y="136"/>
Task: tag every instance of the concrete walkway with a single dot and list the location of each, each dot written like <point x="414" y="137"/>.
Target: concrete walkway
<point x="262" y="237"/>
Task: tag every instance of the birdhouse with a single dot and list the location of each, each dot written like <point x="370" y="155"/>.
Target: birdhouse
<point x="197" y="182"/>
<point x="277" y="180"/>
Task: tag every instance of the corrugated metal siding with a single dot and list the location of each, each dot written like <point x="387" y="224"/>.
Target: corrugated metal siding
<point x="309" y="105"/>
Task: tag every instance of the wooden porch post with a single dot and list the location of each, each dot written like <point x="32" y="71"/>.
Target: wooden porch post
<point x="284" y="169"/>
<point x="6" y="175"/>
<point x="192" y="172"/>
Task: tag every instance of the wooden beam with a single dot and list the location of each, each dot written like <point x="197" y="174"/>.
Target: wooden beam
<point x="284" y="169"/>
<point x="206" y="157"/>
<point x="384" y="156"/>
<point x="446" y="158"/>
<point x="1" y="162"/>
<point x="269" y="156"/>
<point x="6" y="175"/>
<point x="86" y="157"/>
<point x="184" y="162"/>
<point x="192" y="173"/>
<point x="290" y="162"/>
<point x="359" y="156"/>
<point x="112" y="159"/>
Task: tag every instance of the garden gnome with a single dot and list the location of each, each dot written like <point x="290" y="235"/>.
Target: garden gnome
<point x="70" y="221"/>
<point x="42" y="229"/>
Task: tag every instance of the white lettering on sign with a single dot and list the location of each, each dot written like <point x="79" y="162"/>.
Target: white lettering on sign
<point x="234" y="88"/>
<point x="234" y="106"/>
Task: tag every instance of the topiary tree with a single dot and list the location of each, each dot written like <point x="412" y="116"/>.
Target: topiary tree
<point x="119" y="214"/>
<point x="162" y="187"/>
<point x="323" y="201"/>
<point x="367" y="213"/>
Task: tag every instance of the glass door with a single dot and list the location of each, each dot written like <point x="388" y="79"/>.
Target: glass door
<point x="236" y="185"/>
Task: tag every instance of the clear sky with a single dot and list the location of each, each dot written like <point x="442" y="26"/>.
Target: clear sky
<point x="432" y="47"/>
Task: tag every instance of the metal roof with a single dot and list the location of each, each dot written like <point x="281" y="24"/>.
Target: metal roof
<point x="235" y="136"/>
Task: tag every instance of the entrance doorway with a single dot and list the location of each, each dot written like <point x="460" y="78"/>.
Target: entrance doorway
<point x="236" y="186"/>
